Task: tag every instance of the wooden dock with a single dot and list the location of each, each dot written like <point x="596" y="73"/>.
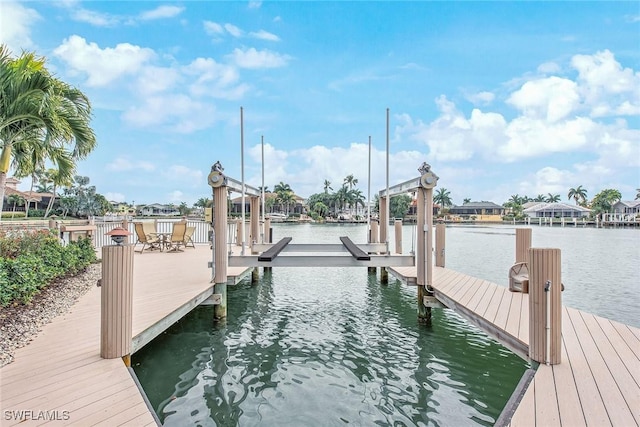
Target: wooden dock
<point x="60" y="376"/>
<point x="598" y="381"/>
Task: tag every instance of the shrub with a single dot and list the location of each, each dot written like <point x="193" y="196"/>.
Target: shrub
<point x="31" y="260"/>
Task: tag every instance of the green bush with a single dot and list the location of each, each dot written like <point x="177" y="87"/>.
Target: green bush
<point x="12" y="215"/>
<point x="31" y="260"/>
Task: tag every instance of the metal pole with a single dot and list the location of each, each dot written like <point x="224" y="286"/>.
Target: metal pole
<point x="242" y="174"/>
<point x="387" y="193"/>
<point x="547" y="291"/>
<point x="262" y="234"/>
<point x="369" y="197"/>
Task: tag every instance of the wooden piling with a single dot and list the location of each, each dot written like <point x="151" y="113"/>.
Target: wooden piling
<point x="220" y="277"/>
<point x="268" y="237"/>
<point x="545" y="306"/>
<point x="116" y="295"/>
<point x="440" y="244"/>
<point x="239" y="232"/>
<point x="373" y="238"/>
<point x="523" y="244"/>
<point x="398" y="235"/>
<point x="254" y="234"/>
<point x="384" y="220"/>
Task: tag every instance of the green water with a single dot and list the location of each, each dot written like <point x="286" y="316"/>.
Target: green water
<point x="308" y="347"/>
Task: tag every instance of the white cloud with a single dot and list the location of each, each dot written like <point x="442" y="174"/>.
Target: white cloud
<point x="481" y="97"/>
<point x="264" y="35"/>
<point x="152" y="80"/>
<point x="102" y="66"/>
<point x="115" y="197"/>
<point x="213" y="28"/>
<point x="97" y="19"/>
<point x="549" y="68"/>
<point x="184" y="173"/>
<point x="125" y="164"/>
<point x="209" y="78"/>
<point x="161" y="12"/>
<point x="175" y="196"/>
<point x="552" y="98"/>
<point x="253" y="4"/>
<point x="252" y="58"/>
<point x="606" y="86"/>
<point x="16" y="21"/>
<point x="171" y="112"/>
<point x="233" y="30"/>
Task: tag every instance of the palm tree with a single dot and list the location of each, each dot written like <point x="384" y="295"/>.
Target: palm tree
<point x="465" y="201"/>
<point x="327" y="186"/>
<point x="443" y="197"/>
<point x="553" y="198"/>
<point x="578" y="194"/>
<point x="357" y="198"/>
<point x="41" y="118"/>
<point x="16" y="199"/>
<point x="539" y="198"/>
<point x="637" y="193"/>
<point x="350" y="181"/>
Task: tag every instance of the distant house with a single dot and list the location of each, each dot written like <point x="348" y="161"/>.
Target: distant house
<point x="480" y="210"/>
<point x="157" y="209"/>
<point x="35" y="200"/>
<point x="556" y="210"/>
<point x="626" y="207"/>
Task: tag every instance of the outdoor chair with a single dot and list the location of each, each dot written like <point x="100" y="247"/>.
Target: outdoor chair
<point x="188" y="237"/>
<point x="149" y="228"/>
<point x="519" y="277"/>
<point x="146" y="239"/>
<point x="177" y="237"/>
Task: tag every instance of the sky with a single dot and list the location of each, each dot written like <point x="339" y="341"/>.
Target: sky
<point x="499" y="97"/>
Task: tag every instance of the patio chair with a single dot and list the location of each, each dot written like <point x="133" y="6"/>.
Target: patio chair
<point x="188" y="237"/>
<point x="146" y="239"/>
<point x="177" y="237"/>
<point x="149" y="228"/>
<point x="519" y="277"/>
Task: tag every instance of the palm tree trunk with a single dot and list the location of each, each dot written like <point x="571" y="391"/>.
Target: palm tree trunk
<point x="51" y="200"/>
<point x="3" y="180"/>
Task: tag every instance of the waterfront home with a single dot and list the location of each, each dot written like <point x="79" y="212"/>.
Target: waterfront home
<point x="298" y="206"/>
<point x="35" y="200"/>
<point x="626" y="207"/>
<point x="555" y="210"/>
<point x="157" y="209"/>
<point x="480" y="211"/>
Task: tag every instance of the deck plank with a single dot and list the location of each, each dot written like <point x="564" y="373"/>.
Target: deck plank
<point x="569" y="405"/>
<point x="62" y="368"/>
<point x="547" y="412"/>
<point x="593" y="407"/>
<point x="525" y="415"/>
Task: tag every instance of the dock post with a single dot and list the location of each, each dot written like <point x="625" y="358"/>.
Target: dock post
<point x="268" y="237"/>
<point x="545" y="305"/>
<point x="373" y="238"/>
<point x="239" y="232"/>
<point x="384" y="220"/>
<point x="125" y="225"/>
<point x="116" y="308"/>
<point x="398" y="235"/>
<point x="440" y="240"/>
<point x="254" y="210"/>
<point x="218" y="182"/>
<point x="424" y="252"/>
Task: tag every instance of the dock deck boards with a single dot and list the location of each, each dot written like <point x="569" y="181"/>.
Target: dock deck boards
<point x="598" y="381"/>
<point x="61" y="370"/>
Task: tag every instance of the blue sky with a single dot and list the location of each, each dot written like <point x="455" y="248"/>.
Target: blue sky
<point x="501" y="98"/>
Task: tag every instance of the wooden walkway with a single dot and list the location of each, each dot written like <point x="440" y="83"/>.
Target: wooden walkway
<point x="61" y="377"/>
<point x="598" y="381"/>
